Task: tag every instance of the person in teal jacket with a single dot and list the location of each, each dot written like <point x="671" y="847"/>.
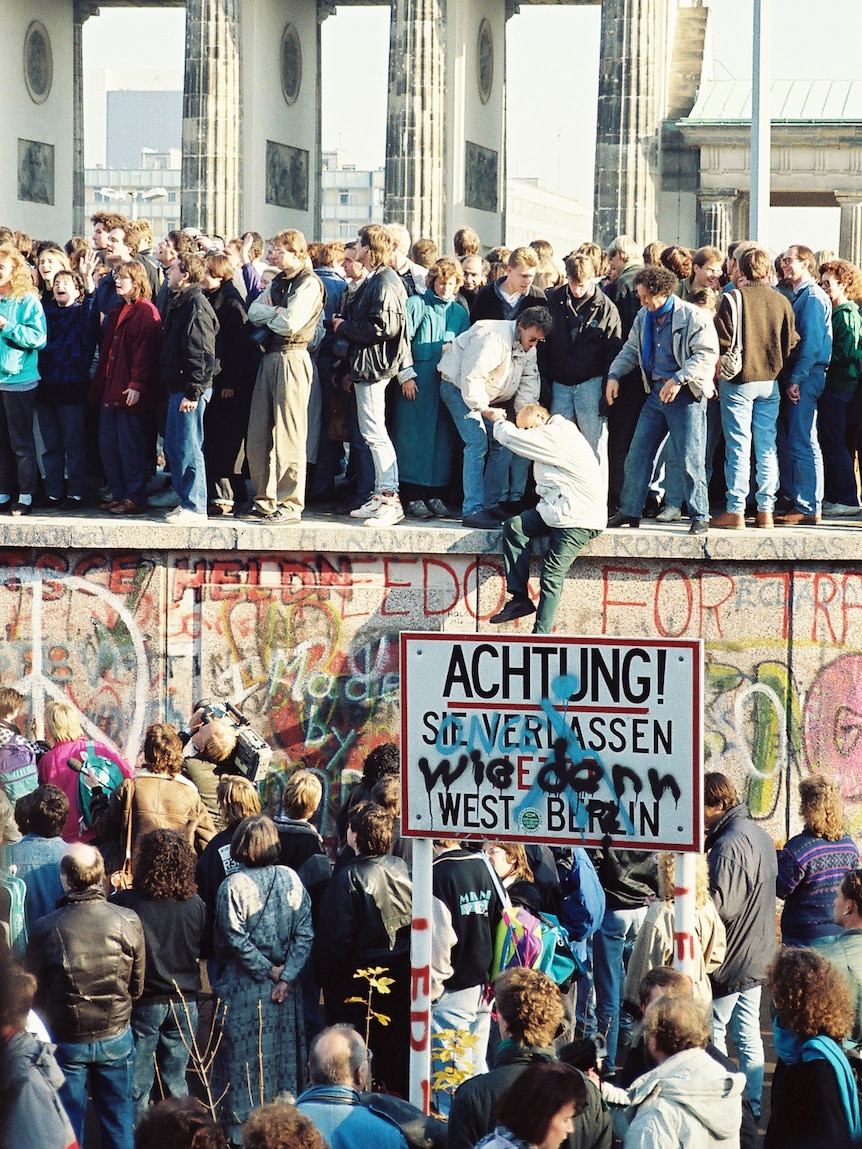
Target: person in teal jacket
<point x="423" y="432"/>
<point x="22" y="334"/>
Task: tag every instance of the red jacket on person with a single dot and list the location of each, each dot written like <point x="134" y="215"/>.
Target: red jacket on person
<point x="129" y="358"/>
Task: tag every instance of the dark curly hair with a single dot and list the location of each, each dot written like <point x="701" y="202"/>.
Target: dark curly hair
<point x="164" y="866"/>
<point x="381" y="762"/>
<point x="280" y="1126"/>
<point x="657" y="280"/>
<point x="178" y="1123"/>
<point x="809" y="994"/>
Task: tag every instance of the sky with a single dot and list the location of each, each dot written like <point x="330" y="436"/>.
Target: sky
<point x="545" y="44"/>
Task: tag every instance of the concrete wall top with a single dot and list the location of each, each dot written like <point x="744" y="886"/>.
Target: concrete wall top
<point x="833" y="542"/>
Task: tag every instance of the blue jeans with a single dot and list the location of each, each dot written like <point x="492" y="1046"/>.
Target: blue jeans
<point x="125" y="448"/>
<point x="739" y="1015"/>
<point x="581" y="404"/>
<point x="184" y="450"/>
<point x="464" y="1010"/>
<point x="105" y="1069"/>
<point x="485" y="483"/>
<point x="163" y="1033"/>
<point x="749" y="411"/>
<point x="799" y="457"/>
<point x="62" y="427"/>
<point x="371" y="412"/>
<point x="610" y="942"/>
<point x="839" y="476"/>
<point x="685" y="420"/>
<point x="360" y="463"/>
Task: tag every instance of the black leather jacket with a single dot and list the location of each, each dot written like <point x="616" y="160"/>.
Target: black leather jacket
<point x="375" y="327"/>
<point x="364" y="918"/>
<point x="88" y="957"/>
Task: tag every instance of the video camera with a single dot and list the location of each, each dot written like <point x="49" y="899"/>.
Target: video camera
<point x="253" y="754"/>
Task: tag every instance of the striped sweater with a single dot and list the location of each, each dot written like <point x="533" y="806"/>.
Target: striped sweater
<point x="809" y="872"/>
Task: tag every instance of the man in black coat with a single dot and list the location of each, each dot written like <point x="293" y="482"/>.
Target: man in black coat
<point x="188" y="363"/>
<point x="88" y="958"/>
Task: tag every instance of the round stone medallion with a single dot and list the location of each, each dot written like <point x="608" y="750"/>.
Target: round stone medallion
<point x="290" y="63"/>
<point x="38" y="62"/>
<point x="485" y="53"/>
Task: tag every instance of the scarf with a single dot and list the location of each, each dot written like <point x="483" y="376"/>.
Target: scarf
<point x="650" y="332"/>
<point x="792" y="1050"/>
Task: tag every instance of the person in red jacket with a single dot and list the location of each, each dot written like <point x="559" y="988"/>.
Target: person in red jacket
<point x="128" y="389"/>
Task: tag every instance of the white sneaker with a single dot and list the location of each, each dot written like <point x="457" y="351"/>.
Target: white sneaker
<point x="367" y="509"/>
<point x="390" y="513"/>
<point x="185" y="517"/>
<point x="841" y="511"/>
<point x="669" y="515"/>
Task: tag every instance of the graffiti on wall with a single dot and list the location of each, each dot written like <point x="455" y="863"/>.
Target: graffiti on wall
<point x="307" y="647"/>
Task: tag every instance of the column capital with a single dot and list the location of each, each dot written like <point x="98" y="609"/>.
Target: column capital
<point x="848" y="199"/>
<point x="325" y="9"/>
<point x="82" y="10"/>
<point x="717" y="195"/>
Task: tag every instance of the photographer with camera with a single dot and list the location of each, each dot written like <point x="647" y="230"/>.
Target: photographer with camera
<point x="208" y="754"/>
<point x="219" y="740"/>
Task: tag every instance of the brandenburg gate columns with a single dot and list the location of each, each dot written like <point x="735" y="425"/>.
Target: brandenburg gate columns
<point x="211" y="117"/>
<point x="446" y="122"/>
<point x="850" y="234"/>
<point x="631" y="69"/>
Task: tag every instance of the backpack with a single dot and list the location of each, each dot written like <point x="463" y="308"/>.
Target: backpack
<point x="583" y="896"/>
<point x="96" y="773"/>
<point x="13" y="914"/>
<point x="17" y="768"/>
<point x="535" y="942"/>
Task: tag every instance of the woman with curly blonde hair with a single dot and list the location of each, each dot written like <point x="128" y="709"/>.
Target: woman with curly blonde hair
<point x="654" y="944"/>
<point x="812" y="864"/>
<point x="814" y="1101"/>
<point x="22" y="333"/>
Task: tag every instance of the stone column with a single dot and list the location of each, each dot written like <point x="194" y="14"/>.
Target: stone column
<point x="82" y="11"/>
<point x="629" y="117"/>
<point x="211" y="117"/>
<point x="717" y="219"/>
<point x="850" y="235"/>
<point x="415" y="118"/>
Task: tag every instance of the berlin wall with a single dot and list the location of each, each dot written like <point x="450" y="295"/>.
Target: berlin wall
<point x="306" y="644"/>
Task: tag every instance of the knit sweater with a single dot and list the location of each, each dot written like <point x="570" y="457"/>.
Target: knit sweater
<point x="769" y="332"/>
<point x="809" y="871"/>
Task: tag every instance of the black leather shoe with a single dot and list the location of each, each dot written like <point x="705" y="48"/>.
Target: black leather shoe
<point x="482" y="520"/>
<point x="620" y="519"/>
<point x="699" y="527"/>
<point x="416" y="509"/>
<point x="514" y="608"/>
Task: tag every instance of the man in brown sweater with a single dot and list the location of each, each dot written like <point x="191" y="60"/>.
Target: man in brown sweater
<point x="750" y="402"/>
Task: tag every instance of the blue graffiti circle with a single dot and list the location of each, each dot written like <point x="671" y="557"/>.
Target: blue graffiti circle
<point x="530" y="820"/>
<point x="564" y="686"/>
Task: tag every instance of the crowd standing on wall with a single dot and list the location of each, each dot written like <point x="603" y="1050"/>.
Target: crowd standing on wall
<point x="383" y="380"/>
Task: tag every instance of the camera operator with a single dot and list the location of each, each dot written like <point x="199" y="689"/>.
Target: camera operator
<point x="209" y="753"/>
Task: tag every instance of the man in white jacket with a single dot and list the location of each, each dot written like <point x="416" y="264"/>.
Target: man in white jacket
<point x="689" y="1101"/>
<point x="572" y="508"/>
<point x="487" y="367"/>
